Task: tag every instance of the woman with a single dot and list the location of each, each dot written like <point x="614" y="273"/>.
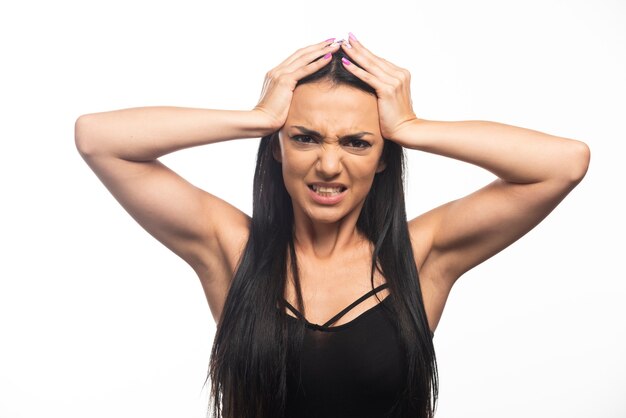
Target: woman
<point x="319" y="305"/>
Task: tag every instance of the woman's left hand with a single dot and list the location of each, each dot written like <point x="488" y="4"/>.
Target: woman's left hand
<point x="392" y="85"/>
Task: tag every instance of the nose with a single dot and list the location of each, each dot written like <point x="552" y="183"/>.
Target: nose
<point x="329" y="162"/>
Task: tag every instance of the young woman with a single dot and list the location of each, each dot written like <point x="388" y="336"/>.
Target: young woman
<point x="326" y="298"/>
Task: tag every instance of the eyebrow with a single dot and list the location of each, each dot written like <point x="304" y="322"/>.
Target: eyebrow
<point x="307" y="131"/>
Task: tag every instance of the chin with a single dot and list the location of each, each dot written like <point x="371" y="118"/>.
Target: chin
<point x="326" y="220"/>
<point x="326" y="215"/>
<point x="323" y="218"/>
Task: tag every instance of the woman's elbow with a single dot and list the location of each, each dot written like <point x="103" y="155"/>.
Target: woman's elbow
<point x="84" y="135"/>
<point x="578" y="161"/>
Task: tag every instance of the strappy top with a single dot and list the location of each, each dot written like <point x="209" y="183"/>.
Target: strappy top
<point x="327" y="326"/>
<point x="356" y="369"/>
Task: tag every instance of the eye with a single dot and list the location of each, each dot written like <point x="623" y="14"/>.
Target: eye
<point x="357" y="143"/>
<point x="303" y="139"/>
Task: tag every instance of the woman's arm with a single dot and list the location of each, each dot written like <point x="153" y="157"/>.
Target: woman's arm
<point x="516" y="155"/>
<point x="146" y="133"/>
<point x="535" y="172"/>
<point x="122" y="148"/>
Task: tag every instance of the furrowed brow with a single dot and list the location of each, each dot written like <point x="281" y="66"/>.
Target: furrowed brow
<point x="307" y="131"/>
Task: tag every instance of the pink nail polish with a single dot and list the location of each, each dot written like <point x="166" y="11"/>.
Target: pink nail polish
<point x="351" y="36"/>
<point x="330" y="39"/>
<point x="328" y="56"/>
<point x="345" y="61"/>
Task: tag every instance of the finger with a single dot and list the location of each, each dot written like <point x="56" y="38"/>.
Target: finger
<point x="380" y="84"/>
<point x="373" y="69"/>
<point x="304" y="65"/>
<point x="304" y="51"/>
<point x="308" y="58"/>
<point x="371" y="62"/>
<point x="401" y="73"/>
<point x="304" y="70"/>
<point x="362" y="50"/>
<point x="371" y="66"/>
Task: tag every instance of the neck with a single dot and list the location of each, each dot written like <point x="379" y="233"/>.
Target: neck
<point x="325" y="240"/>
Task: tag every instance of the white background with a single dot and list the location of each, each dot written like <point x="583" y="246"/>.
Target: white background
<point x="98" y="319"/>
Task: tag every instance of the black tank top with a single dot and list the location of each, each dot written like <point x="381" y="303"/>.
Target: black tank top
<point x="355" y="369"/>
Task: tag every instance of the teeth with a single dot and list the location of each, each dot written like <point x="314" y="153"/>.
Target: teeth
<point x="325" y="190"/>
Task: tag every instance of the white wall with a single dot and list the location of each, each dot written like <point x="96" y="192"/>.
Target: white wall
<point x="98" y="319"/>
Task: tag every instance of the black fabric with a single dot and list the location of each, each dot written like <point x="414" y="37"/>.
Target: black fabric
<point x="355" y="369"/>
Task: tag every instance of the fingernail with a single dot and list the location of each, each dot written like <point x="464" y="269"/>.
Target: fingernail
<point x="345" y="61"/>
<point x="352" y="37"/>
<point x="330" y="39"/>
<point x="328" y="56"/>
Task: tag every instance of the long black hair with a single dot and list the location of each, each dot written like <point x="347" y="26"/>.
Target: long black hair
<point x="248" y="365"/>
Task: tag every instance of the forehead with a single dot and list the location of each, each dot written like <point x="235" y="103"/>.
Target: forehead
<point x="329" y="109"/>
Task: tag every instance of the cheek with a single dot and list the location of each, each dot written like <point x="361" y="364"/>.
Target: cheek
<point x="295" y="169"/>
<point x="298" y="162"/>
<point x="365" y="170"/>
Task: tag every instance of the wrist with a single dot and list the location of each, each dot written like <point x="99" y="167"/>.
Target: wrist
<point x="264" y="123"/>
<point x="408" y="135"/>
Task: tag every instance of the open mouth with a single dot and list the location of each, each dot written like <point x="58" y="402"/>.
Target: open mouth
<point x="327" y="191"/>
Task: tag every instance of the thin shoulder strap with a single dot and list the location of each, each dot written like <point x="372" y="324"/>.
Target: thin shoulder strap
<point x="292" y="309"/>
<point x="353" y="304"/>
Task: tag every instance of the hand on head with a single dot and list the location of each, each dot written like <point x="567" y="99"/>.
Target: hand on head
<point x="390" y="82"/>
<point x="392" y="85"/>
<point x="281" y="81"/>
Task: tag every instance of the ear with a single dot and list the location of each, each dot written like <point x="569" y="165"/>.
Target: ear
<point x="276" y="149"/>
<point x="382" y="164"/>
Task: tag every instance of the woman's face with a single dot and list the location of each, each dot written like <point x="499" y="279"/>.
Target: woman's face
<point x="330" y="150"/>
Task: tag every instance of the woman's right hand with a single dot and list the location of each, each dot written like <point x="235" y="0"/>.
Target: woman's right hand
<point x="281" y="81"/>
